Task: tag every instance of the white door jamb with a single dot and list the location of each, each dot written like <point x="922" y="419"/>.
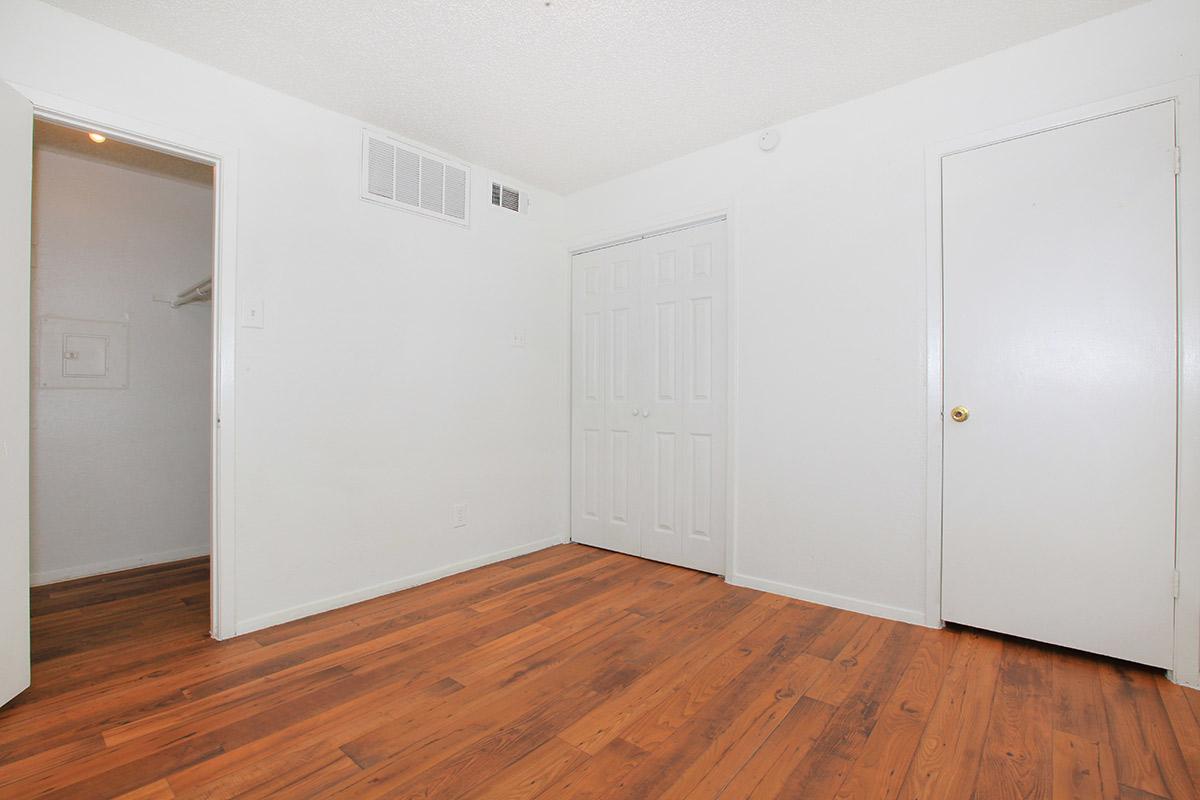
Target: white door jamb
<point x="223" y="159"/>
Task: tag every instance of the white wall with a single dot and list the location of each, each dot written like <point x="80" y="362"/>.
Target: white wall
<point x="120" y="476"/>
<point x="383" y="388"/>
<point x="829" y="237"/>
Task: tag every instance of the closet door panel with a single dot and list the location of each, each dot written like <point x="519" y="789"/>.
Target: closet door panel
<point x="649" y="398"/>
<point x="685" y="418"/>
<point x="623" y="328"/>
<point x="605" y="449"/>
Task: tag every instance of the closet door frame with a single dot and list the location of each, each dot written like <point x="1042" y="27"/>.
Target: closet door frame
<point x="1185" y="94"/>
<point x="223" y="157"/>
<point x="657" y="226"/>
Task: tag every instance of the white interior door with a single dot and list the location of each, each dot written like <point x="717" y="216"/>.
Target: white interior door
<point x="1060" y="341"/>
<point x="606" y="446"/>
<point x="16" y="180"/>
<point x="649" y="393"/>
<point x="683" y="405"/>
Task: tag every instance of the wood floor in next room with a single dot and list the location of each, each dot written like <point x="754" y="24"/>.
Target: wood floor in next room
<point x="570" y="673"/>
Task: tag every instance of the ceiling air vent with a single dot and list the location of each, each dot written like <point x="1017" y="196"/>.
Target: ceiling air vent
<point x="399" y="175"/>
<point x="507" y="197"/>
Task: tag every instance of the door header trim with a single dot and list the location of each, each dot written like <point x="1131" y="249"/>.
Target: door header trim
<point x="649" y="235"/>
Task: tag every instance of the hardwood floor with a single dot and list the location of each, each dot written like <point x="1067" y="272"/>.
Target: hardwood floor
<point x="570" y="673"/>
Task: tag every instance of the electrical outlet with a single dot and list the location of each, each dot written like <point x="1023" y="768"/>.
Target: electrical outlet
<point x="518" y="338"/>
<point x="458" y="515"/>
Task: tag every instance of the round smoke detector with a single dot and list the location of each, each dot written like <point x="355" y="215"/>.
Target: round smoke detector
<point x="768" y="140"/>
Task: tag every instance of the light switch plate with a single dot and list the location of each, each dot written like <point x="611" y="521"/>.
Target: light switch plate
<point x="252" y="313"/>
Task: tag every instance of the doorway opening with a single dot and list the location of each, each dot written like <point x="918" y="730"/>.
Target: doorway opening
<point x="121" y="418"/>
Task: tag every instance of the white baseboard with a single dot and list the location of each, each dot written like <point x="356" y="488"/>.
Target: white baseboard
<point x="380" y="589"/>
<point x="829" y="599"/>
<point x="116" y="565"/>
<point x="1191" y="680"/>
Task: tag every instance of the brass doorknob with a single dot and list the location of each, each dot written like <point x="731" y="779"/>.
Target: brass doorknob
<point x="959" y="414"/>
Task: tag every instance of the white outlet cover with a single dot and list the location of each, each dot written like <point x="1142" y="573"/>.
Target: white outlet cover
<point x="458" y="515"/>
<point x="518" y="338"/>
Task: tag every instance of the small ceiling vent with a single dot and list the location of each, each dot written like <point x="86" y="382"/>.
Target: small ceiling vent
<point x="508" y="197"/>
<point x="399" y="175"/>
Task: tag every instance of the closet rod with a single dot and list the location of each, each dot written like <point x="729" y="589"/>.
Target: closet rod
<point x="197" y="293"/>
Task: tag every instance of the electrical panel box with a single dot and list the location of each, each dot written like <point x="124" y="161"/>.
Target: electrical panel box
<point x="82" y="354"/>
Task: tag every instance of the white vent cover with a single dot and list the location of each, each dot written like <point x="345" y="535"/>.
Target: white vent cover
<point x="508" y="197"/>
<point x="400" y="175"/>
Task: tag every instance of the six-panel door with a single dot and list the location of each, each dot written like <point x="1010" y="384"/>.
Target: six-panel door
<point x="685" y="397"/>
<point x="607" y="346"/>
<point x="649" y="386"/>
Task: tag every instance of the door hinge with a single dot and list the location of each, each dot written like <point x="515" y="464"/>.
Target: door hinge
<point x="1175" y="584"/>
<point x="1178" y="159"/>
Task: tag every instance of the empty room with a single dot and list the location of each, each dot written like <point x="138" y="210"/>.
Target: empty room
<point x="582" y="399"/>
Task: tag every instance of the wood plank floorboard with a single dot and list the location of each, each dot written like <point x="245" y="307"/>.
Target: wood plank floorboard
<point x="570" y="673"/>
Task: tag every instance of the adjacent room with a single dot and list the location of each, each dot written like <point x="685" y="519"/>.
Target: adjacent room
<point x="577" y="399"/>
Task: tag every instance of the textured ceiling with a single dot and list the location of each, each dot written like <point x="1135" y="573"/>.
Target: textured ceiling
<point x="567" y="93"/>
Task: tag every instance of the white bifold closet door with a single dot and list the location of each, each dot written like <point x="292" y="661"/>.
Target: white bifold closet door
<point x="649" y="386"/>
<point x="1060" y="327"/>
